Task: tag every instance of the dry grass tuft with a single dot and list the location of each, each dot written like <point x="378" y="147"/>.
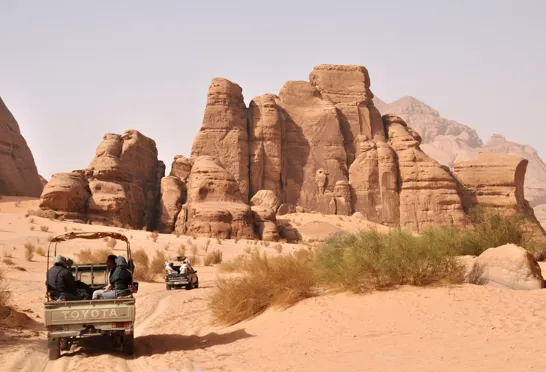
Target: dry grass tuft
<point x="154" y="235"/>
<point x="267" y="282"/>
<point x="44" y="228"/>
<point x="213" y="258"/>
<point x="40" y="251"/>
<point x="88" y="256"/>
<point x="29" y="251"/>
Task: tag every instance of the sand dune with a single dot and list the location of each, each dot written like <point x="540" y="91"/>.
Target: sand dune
<point x="462" y="328"/>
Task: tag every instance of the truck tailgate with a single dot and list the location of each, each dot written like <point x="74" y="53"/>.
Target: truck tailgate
<point x="96" y="311"/>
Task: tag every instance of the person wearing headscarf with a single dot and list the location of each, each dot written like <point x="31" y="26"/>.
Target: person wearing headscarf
<point x="120" y="280"/>
<point x="60" y="281"/>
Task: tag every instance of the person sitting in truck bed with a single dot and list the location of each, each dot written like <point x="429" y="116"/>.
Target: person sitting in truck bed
<point x="120" y="280"/>
<point x="60" y="281"/>
<point x="84" y="291"/>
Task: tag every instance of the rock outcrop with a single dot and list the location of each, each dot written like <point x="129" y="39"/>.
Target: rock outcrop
<point x="224" y="132"/>
<point x="173" y="196"/>
<point x="508" y="266"/>
<point x="122" y="184"/>
<point x="181" y="168"/>
<point x="18" y="173"/>
<point x="449" y="142"/>
<point x="215" y="204"/>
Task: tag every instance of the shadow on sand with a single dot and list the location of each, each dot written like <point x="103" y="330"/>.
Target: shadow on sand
<point x="161" y="344"/>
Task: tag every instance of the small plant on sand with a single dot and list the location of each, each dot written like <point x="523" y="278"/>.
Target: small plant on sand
<point x="166" y="246"/>
<point x="65" y="229"/>
<point x="213" y="258"/>
<point x="88" y="256"/>
<point x="5" y="294"/>
<point x="31" y="220"/>
<point x="154" y="235"/>
<point x="8" y="261"/>
<point x="44" y="228"/>
<point x="111" y="243"/>
<point x="194" y="258"/>
<point x="31" y="227"/>
<point x="278" y="248"/>
<point x="142" y="265"/>
<point x="218" y="241"/>
<point x="40" y="251"/>
<point x="236" y="239"/>
<point x="266" y="243"/>
<point x="29" y="251"/>
<point x="181" y="250"/>
<point x="157" y="266"/>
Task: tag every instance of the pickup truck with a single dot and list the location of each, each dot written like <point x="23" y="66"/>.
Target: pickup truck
<point x="68" y="322"/>
<point x="177" y="280"/>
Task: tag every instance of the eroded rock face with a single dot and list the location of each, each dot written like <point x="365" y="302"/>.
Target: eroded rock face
<point x="18" y="173"/>
<point x="215" y="205"/>
<point x="224" y="132"/>
<point x="348" y="88"/>
<point x="267" y="122"/>
<point x="181" y="167"/>
<point x="122" y="184"/>
<point x="428" y="193"/>
<point x="508" y="266"/>
<point x="313" y="141"/>
<point x="173" y="196"/>
<point x="264" y="206"/>
<point x="65" y="195"/>
<point x="266" y="198"/>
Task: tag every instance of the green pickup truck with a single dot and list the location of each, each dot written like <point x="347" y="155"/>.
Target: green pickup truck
<point x="68" y="322"/>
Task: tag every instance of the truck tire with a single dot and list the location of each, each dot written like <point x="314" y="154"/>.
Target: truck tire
<point x="127" y="347"/>
<point x="168" y="286"/>
<point x="189" y="285"/>
<point x="54" y="349"/>
<point x="196" y="285"/>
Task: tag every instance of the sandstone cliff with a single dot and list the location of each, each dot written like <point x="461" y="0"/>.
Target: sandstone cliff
<point x="18" y="173"/>
<point x="448" y="142"/>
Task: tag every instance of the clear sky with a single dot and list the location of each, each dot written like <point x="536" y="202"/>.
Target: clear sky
<point x="71" y="71"/>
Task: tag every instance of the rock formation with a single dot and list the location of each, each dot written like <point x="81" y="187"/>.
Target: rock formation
<point x="18" y="173"/>
<point x="319" y="146"/>
<point x="215" y="204"/>
<point x="508" y="266"/>
<point x="120" y="187"/>
<point x="224" y="132"/>
<point x="448" y="142"/>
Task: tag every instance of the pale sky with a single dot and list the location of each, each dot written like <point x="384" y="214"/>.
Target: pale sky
<point x="71" y="71"/>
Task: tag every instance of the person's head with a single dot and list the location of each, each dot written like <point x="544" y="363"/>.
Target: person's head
<point x="59" y="261"/>
<point x="111" y="261"/>
<point x="69" y="262"/>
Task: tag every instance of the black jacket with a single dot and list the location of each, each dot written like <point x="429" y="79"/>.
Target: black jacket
<point x="60" y="279"/>
<point x="121" y="277"/>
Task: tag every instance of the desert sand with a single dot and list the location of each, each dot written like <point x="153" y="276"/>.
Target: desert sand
<point x="459" y="328"/>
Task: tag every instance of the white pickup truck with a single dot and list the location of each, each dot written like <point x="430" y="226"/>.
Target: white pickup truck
<point x="68" y="322"/>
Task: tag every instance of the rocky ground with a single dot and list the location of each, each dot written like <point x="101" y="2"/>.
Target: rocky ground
<point x="462" y="328"/>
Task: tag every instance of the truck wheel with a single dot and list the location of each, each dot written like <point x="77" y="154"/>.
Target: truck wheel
<point x="168" y="286"/>
<point x="196" y="285"/>
<point x="128" y="344"/>
<point x="189" y="286"/>
<point x="54" y="348"/>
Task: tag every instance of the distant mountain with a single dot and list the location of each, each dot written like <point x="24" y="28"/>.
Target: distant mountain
<point x="448" y="142"/>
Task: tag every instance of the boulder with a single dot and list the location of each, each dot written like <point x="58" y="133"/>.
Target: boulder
<point x="66" y="195"/>
<point x="181" y="167"/>
<point x="173" y="195"/>
<point x="265" y="198"/>
<point x="224" y="131"/>
<point x="265" y="223"/>
<point x="18" y="173"/>
<point x="428" y="194"/>
<point x="215" y="206"/>
<point x="314" y="145"/>
<point x="267" y="122"/>
<point x="508" y="266"/>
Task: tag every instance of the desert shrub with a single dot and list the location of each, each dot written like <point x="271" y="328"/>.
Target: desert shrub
<point x="31" y="220"/>
<point x="40" y="251"/>
<point x="154" y="235"/>
<point x="157" y="266"/>
<point x="218" y="241"/>
<point x="44" y="228"/>
<point x="278" y="248"/>
<point x="235" y="265"/>
<point x="88" y="256"/>
<point x="371" y="260"/>
<point x="65" y="229"/>
<point x="279" y="281"/>
<point x="29" y="251"/>
<point x="4" y="291"/>
<point x="111" y="243"/>
<point x="181" y="250"/>
<point x="32" y="228"/>
<point x="166" y="246"/>
<point x="213" y="258"/>
<point x="8" y="261"/>
<point x="142" y="265"/>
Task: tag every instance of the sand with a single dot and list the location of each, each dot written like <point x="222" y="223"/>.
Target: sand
<point x="460" y="328"/>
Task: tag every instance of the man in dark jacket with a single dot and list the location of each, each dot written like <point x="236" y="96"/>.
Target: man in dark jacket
<point x="120" y="280"/>
<point x="60" y="281"/>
